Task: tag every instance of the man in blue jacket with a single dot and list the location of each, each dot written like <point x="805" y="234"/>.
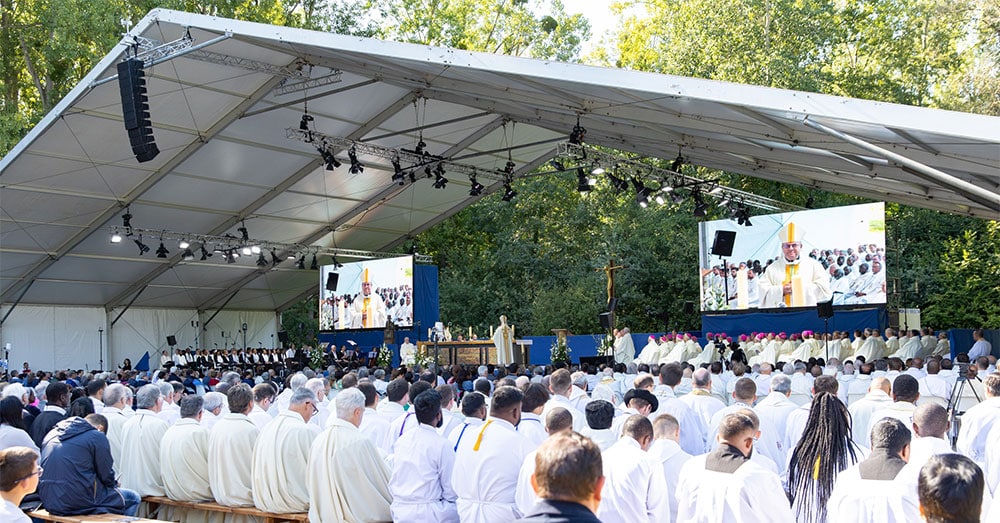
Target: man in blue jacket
<point x="77" y="477"/>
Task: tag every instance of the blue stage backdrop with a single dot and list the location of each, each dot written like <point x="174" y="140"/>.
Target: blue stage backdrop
<point x="425" y="314"/>
<point x="794" y="321"/>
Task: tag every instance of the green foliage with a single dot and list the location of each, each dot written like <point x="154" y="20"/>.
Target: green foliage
<point x="969" y="281"/>
<point x="301" y="322"/>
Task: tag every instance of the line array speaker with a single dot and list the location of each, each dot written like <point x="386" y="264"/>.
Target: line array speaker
<point x="135" y="109"/>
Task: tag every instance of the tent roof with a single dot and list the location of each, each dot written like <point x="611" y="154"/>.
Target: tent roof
<point x="225" y="156"/>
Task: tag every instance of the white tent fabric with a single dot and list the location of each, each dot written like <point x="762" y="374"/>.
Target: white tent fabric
<point x="226" y="158"/>
<point x="52" y="337"/>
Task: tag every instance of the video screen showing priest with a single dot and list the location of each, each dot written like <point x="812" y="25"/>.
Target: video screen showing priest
<point x="795" y="259"/>
<point x="366" y="294"/>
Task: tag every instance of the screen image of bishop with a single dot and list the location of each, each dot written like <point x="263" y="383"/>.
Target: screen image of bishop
<point x="367" y="295"/>
<point x="797" y="259"/>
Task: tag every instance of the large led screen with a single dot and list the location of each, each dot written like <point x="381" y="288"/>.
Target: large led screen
<point x="366" y="294"/>
<point x="795" y="259"/>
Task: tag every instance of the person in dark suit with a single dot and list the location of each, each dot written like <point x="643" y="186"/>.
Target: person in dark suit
<point x="57" y="396"/>
<point x="568" y="479"/>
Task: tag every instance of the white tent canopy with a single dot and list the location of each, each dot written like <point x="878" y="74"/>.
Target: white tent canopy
<point x="226" y="158"/>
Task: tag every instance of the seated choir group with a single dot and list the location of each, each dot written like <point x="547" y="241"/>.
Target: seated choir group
<point x="869" y="439"/>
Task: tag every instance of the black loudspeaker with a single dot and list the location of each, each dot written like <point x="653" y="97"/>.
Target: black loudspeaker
<point x="605" y="318"/>
<point x="171" y="341"/>
<point x="283" y="336"/>
<point x="331" y="281"/>
<point x="723" y="243"/>
<point x="824" y="309"/>
<point x="689" y="307"/>
<point x="613" y="304"/>
<point x="135" y="109"/>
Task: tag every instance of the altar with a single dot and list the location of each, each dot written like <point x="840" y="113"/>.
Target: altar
<point x="481" y="352"/>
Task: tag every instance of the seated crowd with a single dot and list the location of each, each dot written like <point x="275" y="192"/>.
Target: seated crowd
<point x="866" y="437"/>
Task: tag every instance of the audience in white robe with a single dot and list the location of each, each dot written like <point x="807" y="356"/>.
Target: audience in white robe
<point x="873" y="491"/>
<point x="725" y="485"/>
<point x="230" y="450"/>
<point x="184" y="462"/>
<point x="215" y="405"/>
<point x="634" y="487"/>
<point x="531" y="425"/>
<point x="490" y="459"/>
<point x="600" y="417"/>
<point x="950" y="488"/>
<point x="474" y="410"/>
<point x="281" y="454"/>
<point x="557" y="421"/>
<point x="348" y="480"/>
<point x="141" y="436"/>
<point x="263" y="396"/>
<point x="560" y="387"/>
<point x="978" y="420"/>
<point x="373" y="426"/>
<point x="171" y="392"/>
<point x="694" y="428"/>
<point x="422" y="468"/>
<point x="118" y="400"/>
<point x="567" y="479"/>
<point x="667" y="450"/>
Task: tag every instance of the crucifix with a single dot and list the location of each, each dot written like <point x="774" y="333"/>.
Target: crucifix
<point x="609" y="271"/>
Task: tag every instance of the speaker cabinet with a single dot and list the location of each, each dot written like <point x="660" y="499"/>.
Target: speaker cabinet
<point x="723" y="243"/>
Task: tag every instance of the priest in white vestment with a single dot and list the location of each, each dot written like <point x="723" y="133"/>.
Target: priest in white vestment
<point x="184" y="462"/>
<point x="422" y="468"/>
<point x="624" y="347"/>
<point x="667" y="450"/>
<point x="348" y="480"/>
<point x="725" y="485"/>
<point x="230" y="451"/>
<point x="503" y="340"/>
<point x="407" y="352"/>
<point x="282" y="454"/>
<point x="792" y="280"/>
<point x="117" y="399"/>
<point x="489" y="461"/>
<point x="141" y="436"/>
<point x="368" y="309"/>
<point x="634" y="487"/>
<point x="870" y="491"/>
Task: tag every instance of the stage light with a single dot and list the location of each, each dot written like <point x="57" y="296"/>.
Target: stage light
<point x="127" y="220"/>
<point x="187" y="255"/>
<point x="619" y="184"/>
<point x="397" y="171"/>
<point x="700" y="207"/>
<point x="255" y="249"/>
<point x="578" y="134"/>
<point x="243" y="231"/>
<point x="582" y="181"/>
<point x="143" y="248"/>
<point x="597" y="169"/>
<point x="116" y="237"/>
<point x="659" y="199"/>
<point x="304" y="122"/>
<point x="314" y="266"/>
<point x="724" y="201"/>
<point x="678" y="163"/>
<point x="676" y="197"/>
<point x="421" y="145"/>
<point x="440" y="182"/>
<point x="428" y="172"/>
<point x="246" y="251"/>
<point x="509" y="167"/>
<point x="261" y="260"/>
<point x="183" y="244"/>
<point x="810" y="202"/>
<point x="274" y="258"/>
<point x="559" y="166"/>
<point x="356" y="166"/>
<point x="328" y="158"/>
<point x="161" y="251"/>
<point x="641" y="192"/>
<point x="205" y="254"/>
<point x="509" y="192"/>
<point x="715" y="190"/>
<point x="231" y="256"/>
<point x="336" y="263"/>
<point x="477" y="188"/>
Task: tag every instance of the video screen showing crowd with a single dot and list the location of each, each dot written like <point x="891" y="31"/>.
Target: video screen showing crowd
<point x="798" y="260"/>
<point x="366" y="295"/>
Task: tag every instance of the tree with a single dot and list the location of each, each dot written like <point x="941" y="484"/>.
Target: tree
<point x="969" y="290"/>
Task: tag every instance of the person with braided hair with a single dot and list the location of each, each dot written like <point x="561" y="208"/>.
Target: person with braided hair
<point x="825" y="449"/>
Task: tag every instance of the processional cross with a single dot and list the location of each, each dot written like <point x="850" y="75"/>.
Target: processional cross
<point x="609" y="271"/>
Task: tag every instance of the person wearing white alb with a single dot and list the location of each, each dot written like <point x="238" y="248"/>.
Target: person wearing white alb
<point x="373" y="426"/>
<point x="871" y="491"/>
<point x="408" y="421"/>
<point x="667" y="450"/>
<point x="797" y="420"/>
<point x="474" y="410"/>
<point x="560" y="385"/>
<point x="701" y="400"/>
<point x="634" y="487"/>
<point x="490" y="459"/>
<point x="557" y="421"/>
<point x="774" y="410"/>
<point x="767" y="448"/>
<point x="422" y="468"/>
<point x="725" y="485"/>
<point x="693" y="429"/>
<point x="978" y="420"/>
<point x="905" y="393"/>
<point x="862" y="409"/>
<point x="600" y="418"/>
<point x="263" y="395"/>
<point x="531" y="425"/>
<point x="980" y="347"/>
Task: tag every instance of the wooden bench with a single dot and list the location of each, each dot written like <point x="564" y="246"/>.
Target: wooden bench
<point x="208" y="506"/>
<point x="96" y="518"/>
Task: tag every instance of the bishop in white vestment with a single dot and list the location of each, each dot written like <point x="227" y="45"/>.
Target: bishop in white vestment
<point x="792" y="280"/>
<point x="282" y="454"/>
<point x="348" y="480"/>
